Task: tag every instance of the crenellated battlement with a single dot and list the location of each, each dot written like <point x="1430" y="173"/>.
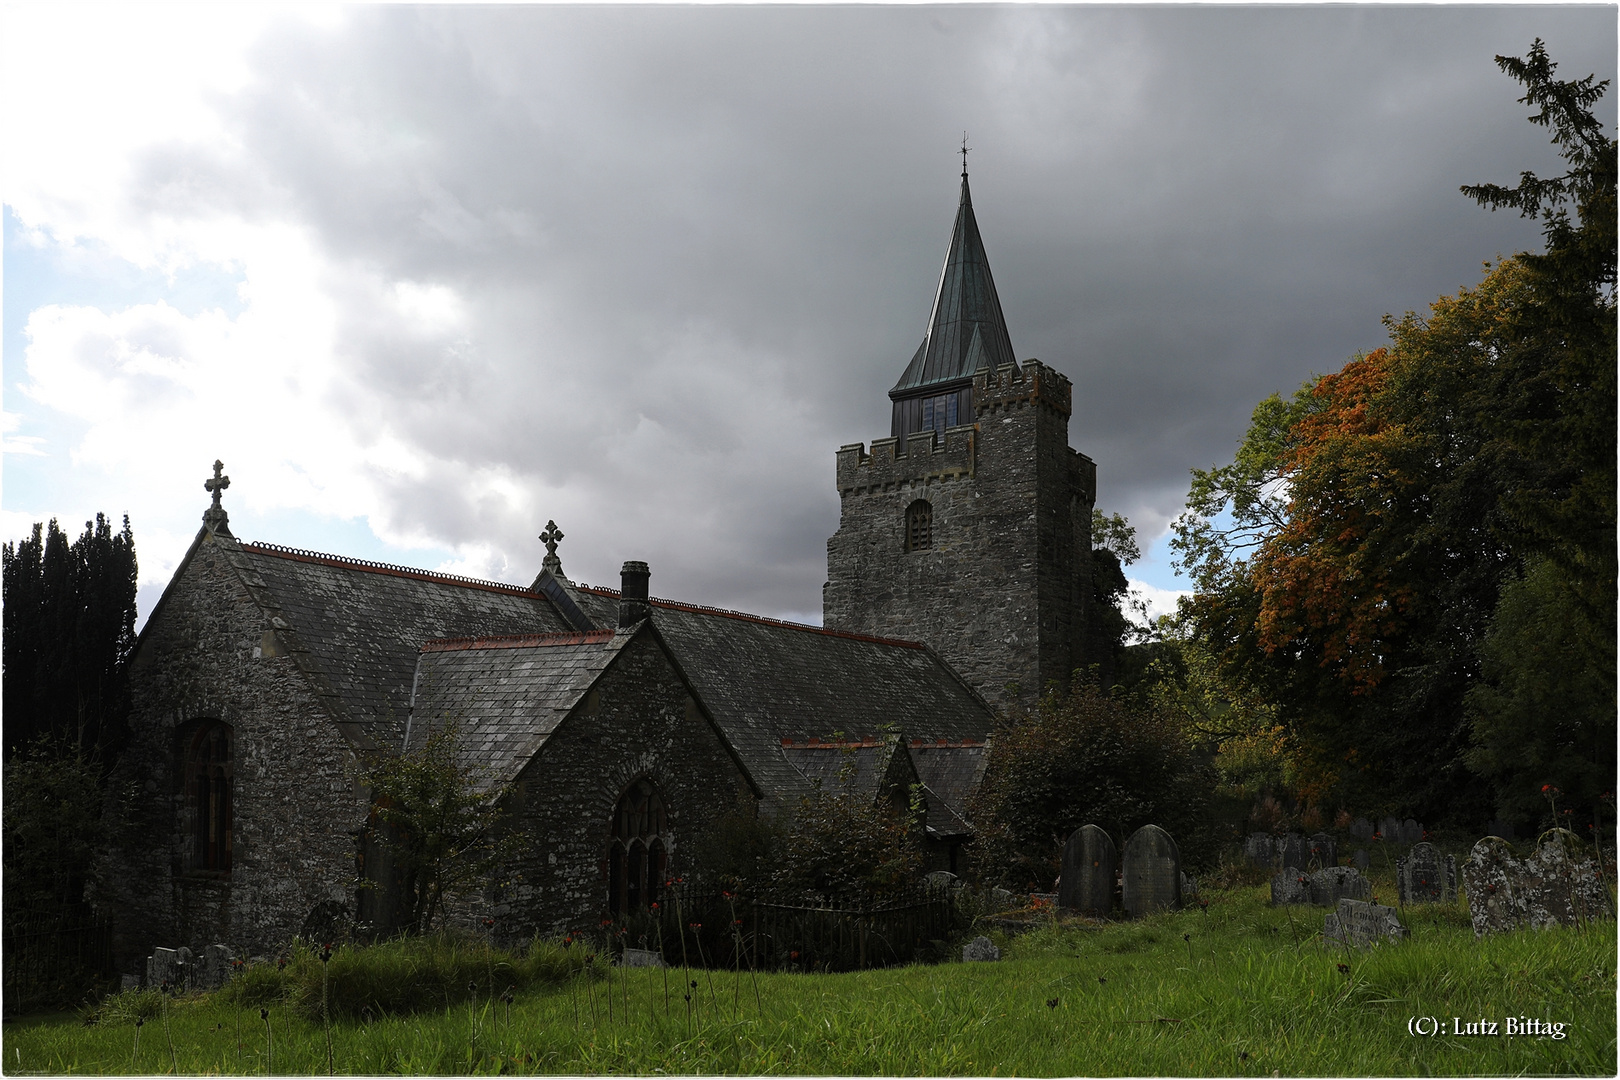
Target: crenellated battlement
<point x="1009" y="388"/>
<point x="927" y="456"/>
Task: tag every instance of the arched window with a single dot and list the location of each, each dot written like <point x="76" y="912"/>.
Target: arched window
<point x="637" y="853"/>
<point x="919" y="526"/>
<point x="208" y="795"/>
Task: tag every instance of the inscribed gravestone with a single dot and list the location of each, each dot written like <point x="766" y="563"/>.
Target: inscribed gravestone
<point x="1361" y="829"/>
<point x="1334" y="883"/>
<point x="1360" y="923"/>
<point x="1324" y="851"/>
<point x="1424" y="877"/>
<point x="1260" y="849"/>
<point x="1151" y="878"/>
<point x="1089" y="861"/>
<point x="1554" y="886"/>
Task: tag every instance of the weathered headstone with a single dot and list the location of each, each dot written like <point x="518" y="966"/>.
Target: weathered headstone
<point x="1089" y="861"/>
<point x="1001" y="899"/>
<point x="941" y="880"/>
<point x="1324" y="850"/>
<point x="1411" y="832"/>
<point x="1361" y="829"/>
<point x="1260" y="848"/>
<point x="163" y="969"/>
<point x="1292" y="850"/>
<point x="1554" y="886"/>
<point x="981" y="948"/>
<point x="1423" y="876"/>
<point x="1151" y="872"/>
<point x="1360" y="923"/>
<point x="1334" y="883"/>
<point x="1390" y="830"/>
<point x="641" y="958"/>
<point x="216" y="967"/>
<point x="1361" y="859"/>
<point x="1189" y="885"/>
<point x="1290" y="886"/>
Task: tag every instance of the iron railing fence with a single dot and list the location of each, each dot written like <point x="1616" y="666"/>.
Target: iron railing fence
<point x="52" y="957"/>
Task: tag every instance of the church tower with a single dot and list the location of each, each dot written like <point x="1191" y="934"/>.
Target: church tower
<point x="969" y="527"/>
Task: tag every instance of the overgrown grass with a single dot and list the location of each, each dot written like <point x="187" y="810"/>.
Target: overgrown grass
<point x="1243" y="989"/>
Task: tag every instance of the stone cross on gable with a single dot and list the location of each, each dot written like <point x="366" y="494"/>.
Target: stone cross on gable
<point x="551" y="538"/>
<point x="214" y="518"/>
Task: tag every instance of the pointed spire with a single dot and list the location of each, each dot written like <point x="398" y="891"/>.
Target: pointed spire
<point x="966" y="326"/>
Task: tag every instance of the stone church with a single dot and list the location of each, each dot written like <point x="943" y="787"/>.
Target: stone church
<point x="266" y="677"/>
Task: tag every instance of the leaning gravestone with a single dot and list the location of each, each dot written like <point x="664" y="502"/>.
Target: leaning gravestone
<point x="981" y="948"/>
<point x="1151" y="872"/>
<point x="1292" y="850"/>
<point x="1360" y="923"/>
<point x="1334" y="883"/>
<point x="1260" y="849"/>
<point x="1089" y="861"/>
<point x="1290" y="886"/>
<point x="1551" y="887"/>
<point x="1424" y="877"/>
<point x="1361" y="829"/>
<point x="1324" y="851"/>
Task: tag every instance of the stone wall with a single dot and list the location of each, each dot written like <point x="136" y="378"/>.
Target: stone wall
<point x="639" y="722"/>
<point x="1001" y="592"/>
<point x="211" y="652"/>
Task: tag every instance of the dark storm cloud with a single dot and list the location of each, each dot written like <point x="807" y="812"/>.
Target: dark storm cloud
<point x="697" y="245"/>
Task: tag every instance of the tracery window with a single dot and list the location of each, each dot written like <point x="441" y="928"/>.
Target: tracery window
<point x="919" y="526"/>
<point x="208" y="796"/>
<point x="638" y="853"/>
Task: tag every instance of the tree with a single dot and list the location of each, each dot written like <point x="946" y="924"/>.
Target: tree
<point x="845" y="845"/>
<point x="1080" y="758"/>
<point x="1113" y="547"/>
<point x="445" y="822"/>
<point x="69" y="631"/>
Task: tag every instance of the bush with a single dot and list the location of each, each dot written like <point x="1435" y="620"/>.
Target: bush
<point x="1084" y="758"/>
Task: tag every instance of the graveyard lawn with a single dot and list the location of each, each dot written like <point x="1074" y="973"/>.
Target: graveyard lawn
<point x="1244" y="989"/>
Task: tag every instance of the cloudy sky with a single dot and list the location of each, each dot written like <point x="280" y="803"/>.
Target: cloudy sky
<point x="425" y="278"/>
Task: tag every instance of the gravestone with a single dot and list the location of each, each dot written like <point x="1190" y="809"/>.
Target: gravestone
<point x="940" y="880"/>
<point x="1151" y="872"/>
<point x="1361" y="829"/>
<point x="1423" y="876"/>
<point x="1189" y="885"/>
<point x="1411" y="832"/>
<point x="1390" y="830"/>
<point x="215" y="969"/>
<point x="1001" y="899"/>
<point x="1361" y="859"/>
<point x="1554" y="886"/>
<point x="1089" y="861"/>
<point x="1290" y="886"/>
<point x="1292" y="850"/>
<point x="981" y="948"/>
<point x="641" y="958"/>
<point x="1324" y="850"/>
<point x="1260" y="848"/>
<point x="1334" y="883"/>
<point x="1360" y="923"/>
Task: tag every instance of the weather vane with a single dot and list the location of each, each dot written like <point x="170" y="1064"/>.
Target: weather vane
<point x="965" y="149"/>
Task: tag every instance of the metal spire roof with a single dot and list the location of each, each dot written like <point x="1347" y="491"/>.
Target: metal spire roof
<point x="966" y="330"/>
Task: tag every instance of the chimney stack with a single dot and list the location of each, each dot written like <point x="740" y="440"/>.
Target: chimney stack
<point x="633" y="605"/>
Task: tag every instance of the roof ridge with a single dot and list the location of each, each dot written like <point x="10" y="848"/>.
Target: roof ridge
<point x="518" y="641"/>
<point x="705" y="609"/>
<point x="393" y="569"/>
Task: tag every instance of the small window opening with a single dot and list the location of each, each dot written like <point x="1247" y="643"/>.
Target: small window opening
<point x="208" y="791"/>
<point x="919" y="526"/>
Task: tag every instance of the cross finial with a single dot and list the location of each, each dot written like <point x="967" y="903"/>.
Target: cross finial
<point x="965" y="149"/>
<point x="214" y="517"/>
<point x="551" y="538"/>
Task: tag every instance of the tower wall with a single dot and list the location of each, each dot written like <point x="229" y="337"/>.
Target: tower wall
<point x="1000" y="592"/>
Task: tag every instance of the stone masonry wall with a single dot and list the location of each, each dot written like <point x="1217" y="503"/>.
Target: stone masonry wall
<point x="212" y="653"/>
<point x="1000" y="594"/>
<point x="640" y="723"/>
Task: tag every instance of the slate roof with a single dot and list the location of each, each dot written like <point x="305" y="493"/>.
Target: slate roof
<point x="855" y="767"/>
<point x="950" y="771"/>
<point x="763" y="679"/>
<point x="362" y="623"/>
<point x="506" y="695"/>
<point x="966" y="330"/>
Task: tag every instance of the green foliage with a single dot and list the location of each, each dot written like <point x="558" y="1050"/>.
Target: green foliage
<point x="1116" y="534"/>
<point x="56" y="821"/>
<point x="849" y="846"/>
<point x="1247" y="991"/>
<point x="1543" y="712"/>
<point x="742" y="849"/>
<point x="445" y="821"/>
<point x="1081" y="758"/>
<point x="69" y="632"/>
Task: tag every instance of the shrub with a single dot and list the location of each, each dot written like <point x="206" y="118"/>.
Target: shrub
<point x="1084" y="758"/>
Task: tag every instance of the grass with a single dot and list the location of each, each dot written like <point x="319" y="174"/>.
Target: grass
<point x="1242" y="990"/>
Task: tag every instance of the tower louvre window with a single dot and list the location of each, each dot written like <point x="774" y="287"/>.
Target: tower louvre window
<point x="919" y="526"/>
